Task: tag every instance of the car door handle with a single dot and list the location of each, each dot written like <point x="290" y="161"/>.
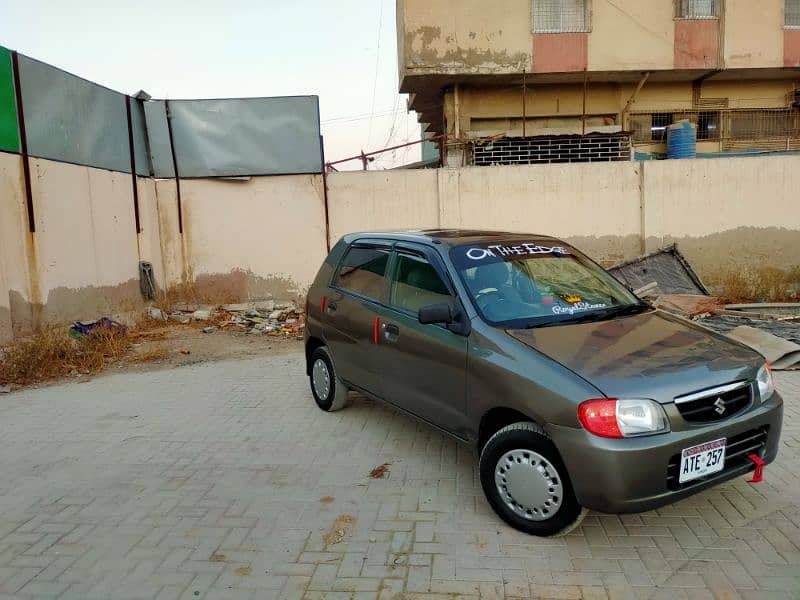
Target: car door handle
<point x="391" y="332"/>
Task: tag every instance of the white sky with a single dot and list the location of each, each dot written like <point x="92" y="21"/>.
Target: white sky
<point x="229" y="48"/>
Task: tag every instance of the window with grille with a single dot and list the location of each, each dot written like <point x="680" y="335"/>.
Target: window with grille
<point x="561" y="16"/>
<point x="696" y="9"/>
<point x="792" y="13"/>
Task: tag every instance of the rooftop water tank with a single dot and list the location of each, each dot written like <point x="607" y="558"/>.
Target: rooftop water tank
<point x="682" y="140"/>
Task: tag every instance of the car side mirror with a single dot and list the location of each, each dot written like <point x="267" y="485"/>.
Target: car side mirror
<point x="435" y="314"/>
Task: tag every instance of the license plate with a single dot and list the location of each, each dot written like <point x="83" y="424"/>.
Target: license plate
<point x="701" y="460"/>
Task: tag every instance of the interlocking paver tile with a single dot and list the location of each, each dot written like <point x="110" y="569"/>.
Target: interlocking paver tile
<point x="224" y="480"/>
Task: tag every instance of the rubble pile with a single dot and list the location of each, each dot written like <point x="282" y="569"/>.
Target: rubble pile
<point x="266" y="317"/>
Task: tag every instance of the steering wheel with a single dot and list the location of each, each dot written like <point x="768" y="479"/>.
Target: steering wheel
<point x="488" y="296"/>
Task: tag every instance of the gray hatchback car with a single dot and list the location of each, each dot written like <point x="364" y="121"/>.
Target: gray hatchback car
<point x="576" y="394"/>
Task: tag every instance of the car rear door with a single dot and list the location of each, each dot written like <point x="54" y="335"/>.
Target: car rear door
<point x="358" y="288"/>
<point x="423" y="367"/>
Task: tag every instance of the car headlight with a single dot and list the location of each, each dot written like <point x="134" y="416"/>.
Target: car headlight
<point x="766" y="386"/>
<point x="614" y="418"/>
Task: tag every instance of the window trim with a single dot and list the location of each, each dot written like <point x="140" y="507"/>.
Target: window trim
<point x="587" y="20"/>
<point x="786" y="25"/>
<point x="679" y="17"/>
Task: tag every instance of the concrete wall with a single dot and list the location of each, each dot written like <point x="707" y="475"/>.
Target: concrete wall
<point x="464" y="36"/>
<point x="475" y="36"/>
<point x="85" y="246"/>
<point x="15" y="292"/>
<point x="266" y="236"/>
<point x="263" y="236"/>
<point x="631" y="35"/>
<point x="383" y="199"/>
<point x="753" y="33"/>
<point x="725" y="213"/>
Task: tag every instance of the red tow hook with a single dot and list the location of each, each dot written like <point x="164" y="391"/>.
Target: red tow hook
<point x="758" y="474"/>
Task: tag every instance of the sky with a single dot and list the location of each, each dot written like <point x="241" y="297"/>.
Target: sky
<point x="344" y="51"/>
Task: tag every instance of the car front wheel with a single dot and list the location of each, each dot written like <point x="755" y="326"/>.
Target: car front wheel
<point x="526" y="481"/>
<point x="329" y="393"/>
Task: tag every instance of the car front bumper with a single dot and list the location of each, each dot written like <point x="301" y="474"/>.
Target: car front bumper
<point x="631" y="475"/>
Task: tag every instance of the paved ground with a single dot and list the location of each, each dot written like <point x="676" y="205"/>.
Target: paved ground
<point x="225" y="481"/>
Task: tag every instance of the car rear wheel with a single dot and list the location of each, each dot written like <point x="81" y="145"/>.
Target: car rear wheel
<point x="329" y="393"/>
<point x="526" y="481"/>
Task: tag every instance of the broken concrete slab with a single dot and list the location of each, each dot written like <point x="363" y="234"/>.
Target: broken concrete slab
<point x="201" y="315"/>
<point x="781" y="354"/>
<point x="155" y="313"/>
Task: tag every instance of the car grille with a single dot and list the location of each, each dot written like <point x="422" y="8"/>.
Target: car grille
<point x="737" y="449"/>
<point x="715" y="404"/>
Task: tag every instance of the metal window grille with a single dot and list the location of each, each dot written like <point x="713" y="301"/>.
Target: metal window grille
<point x="696" y="9"/>
<point x="792" y="13"/>
<point x="561" y="16"/>
<point x="553" y="149"/>
<point x="776" y="128"/>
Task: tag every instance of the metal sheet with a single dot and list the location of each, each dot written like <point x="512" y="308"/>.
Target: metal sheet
<point x="140" y="150"/>
<point x="73" y="120"/>
<point x="158" y="138"/>
<point x="667" y="267"/>
<point x="9" y="126"/>
<point x="246" y="136"/>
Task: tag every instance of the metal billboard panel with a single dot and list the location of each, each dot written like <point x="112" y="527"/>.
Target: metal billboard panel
<point x="9" y="125"/>
<point x="158" y="138"/>
<point x="72" y="120"/>
<point x="246" y="136"/>
<point x="139" y="128"/>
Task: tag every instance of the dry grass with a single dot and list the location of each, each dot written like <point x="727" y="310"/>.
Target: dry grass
<point x="767" y="284"/>
<point x="153" y="354"/>
<point x="51" y="354"/>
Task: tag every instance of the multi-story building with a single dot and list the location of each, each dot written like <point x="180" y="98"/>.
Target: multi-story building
<point x="583" y="80"/>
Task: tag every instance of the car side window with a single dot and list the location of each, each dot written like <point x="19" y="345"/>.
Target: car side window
<point x="415" y="283"/>
<point x="363" y="272"/>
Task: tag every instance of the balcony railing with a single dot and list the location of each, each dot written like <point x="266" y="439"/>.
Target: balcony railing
<point x="734" y="129"/>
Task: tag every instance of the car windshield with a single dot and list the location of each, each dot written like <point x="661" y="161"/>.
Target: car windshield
<point x="520" y="284"/>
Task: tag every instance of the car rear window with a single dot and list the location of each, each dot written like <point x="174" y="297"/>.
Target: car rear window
<point x="363" y="271"/>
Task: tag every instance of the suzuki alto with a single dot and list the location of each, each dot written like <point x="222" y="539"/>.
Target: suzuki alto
<point x="576" y="394"/>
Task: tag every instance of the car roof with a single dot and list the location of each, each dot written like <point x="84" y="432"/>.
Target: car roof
<point x="449" y="237"/>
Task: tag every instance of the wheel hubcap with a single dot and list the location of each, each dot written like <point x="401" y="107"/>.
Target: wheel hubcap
<point x="529" y="484"/>
<point x="321" y="379"/>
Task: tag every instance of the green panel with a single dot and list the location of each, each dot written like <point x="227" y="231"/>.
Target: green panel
<point x="9" y="129"/>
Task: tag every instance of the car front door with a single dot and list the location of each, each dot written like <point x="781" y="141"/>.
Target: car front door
<point x="358" y="289"/>
<point x="423" y="367"/>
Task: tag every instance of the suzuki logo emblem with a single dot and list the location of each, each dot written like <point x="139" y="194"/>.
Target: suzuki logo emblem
<point x="720" y="406"/>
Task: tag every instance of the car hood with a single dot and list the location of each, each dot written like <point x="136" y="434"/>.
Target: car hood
<point x="650" y="355"/>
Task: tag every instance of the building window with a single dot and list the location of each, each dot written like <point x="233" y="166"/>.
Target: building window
<point x="707" y="126"/>
<point x="561" y="16"/>
<point x="696" y="9"/>
<point x="792" y="13"/>
<point x="658" y="130"/>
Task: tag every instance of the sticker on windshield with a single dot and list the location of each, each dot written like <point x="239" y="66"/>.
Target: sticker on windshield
<point x="501" y="251"/>
<point x="571" y="298"/>
<point x="577" y="307"/>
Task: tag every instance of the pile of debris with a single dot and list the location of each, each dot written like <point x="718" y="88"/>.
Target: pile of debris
<point x="667" y="280"/>
<point x="264" y="317"/>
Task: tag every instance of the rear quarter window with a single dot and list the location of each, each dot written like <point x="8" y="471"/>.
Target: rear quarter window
<point x="363" y="272"/>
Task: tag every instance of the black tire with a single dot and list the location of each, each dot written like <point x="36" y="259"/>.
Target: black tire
<point x="518" y="438"/>
<point x="334" y="396"/>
